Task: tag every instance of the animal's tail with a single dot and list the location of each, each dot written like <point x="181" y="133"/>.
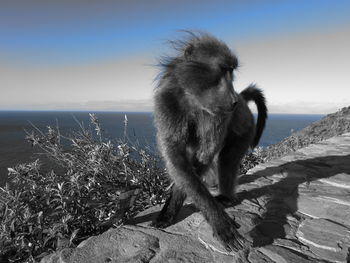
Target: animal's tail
<point x="256" y="95"/>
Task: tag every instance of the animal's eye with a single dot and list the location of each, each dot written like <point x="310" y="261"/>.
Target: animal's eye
<point x="227" y="69"/>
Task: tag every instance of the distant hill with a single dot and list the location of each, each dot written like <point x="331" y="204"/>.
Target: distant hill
<point x="331" y="125"/>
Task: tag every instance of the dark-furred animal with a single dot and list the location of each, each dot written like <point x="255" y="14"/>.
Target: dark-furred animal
<point x="202" y="121"/>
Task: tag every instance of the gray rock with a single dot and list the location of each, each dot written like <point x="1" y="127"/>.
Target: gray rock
<point x="341" y="180"/>
<point x="294" y="209"/>
<point x="115" y="245"/>
<point x="283" y="255"/>
<point x="325" y="238"/>
<point x="319" y="206"/>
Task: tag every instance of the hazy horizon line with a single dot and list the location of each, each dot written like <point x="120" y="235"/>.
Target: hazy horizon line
<point x="133" y="112"/>
<point x="299" y="107"/>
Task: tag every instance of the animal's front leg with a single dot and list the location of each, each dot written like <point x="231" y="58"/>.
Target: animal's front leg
<point x="225" y="228"/>
<point x="171" y="208"/>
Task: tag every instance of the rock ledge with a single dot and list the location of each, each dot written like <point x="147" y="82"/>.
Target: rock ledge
<point x="294" y="209"/>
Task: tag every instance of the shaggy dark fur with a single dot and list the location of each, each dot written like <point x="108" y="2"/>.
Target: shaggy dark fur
<point x="202" y="122"/>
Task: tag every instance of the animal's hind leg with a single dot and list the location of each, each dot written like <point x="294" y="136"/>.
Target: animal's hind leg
<point x="228" y="167"/>
<point x="171" y="208"/>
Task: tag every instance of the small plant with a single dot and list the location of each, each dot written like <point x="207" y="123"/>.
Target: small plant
<point x="251" y="159"/>
<point x="92" y="184"/>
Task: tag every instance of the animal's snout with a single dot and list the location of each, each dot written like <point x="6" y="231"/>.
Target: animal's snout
<point x="233" y="105"/>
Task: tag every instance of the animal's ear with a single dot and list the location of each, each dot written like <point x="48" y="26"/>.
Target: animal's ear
<point x="188" y="51"/>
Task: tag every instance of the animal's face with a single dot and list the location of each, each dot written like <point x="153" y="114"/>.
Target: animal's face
<point x="206" y="74"/>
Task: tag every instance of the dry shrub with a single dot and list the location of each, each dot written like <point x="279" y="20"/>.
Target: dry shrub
<point x="92" y="184"/>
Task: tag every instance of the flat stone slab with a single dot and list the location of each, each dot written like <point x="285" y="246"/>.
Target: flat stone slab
<point x="318" y="206"/>
<point x="137" y="244"/>
<point x="136" y="247"/>
<point x="293" y="209"/>
<point x="341" y="180"/>
<point x="326" y="239"/>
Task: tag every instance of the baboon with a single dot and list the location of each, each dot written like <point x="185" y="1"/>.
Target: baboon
<point x="201" y="121"/>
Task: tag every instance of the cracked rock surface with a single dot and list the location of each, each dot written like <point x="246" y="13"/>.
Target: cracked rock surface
<point x="293" y="209"/>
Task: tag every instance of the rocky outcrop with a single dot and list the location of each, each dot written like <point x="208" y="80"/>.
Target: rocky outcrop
<point x="331" y="125"/>
<point x="294" y="209"/>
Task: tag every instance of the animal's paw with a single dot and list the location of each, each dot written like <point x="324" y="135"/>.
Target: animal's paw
<point x="225" y="230"/>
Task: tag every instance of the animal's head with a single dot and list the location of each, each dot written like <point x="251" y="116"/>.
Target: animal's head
<point x="204" y="70"/>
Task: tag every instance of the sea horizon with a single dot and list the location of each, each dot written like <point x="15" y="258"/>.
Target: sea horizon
<point x="120" y="111"/>
<point x="13" y="123"/>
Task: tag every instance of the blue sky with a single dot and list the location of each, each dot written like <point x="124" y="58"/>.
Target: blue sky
<point x="73" y="33"/>
<point x="87" y="37"/>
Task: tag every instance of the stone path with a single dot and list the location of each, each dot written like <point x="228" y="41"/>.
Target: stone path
<point x="303" y="203"/>
<point x="294" y="209"/>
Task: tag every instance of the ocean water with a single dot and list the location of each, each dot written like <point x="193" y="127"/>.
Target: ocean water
<point x="140" y="129"/>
